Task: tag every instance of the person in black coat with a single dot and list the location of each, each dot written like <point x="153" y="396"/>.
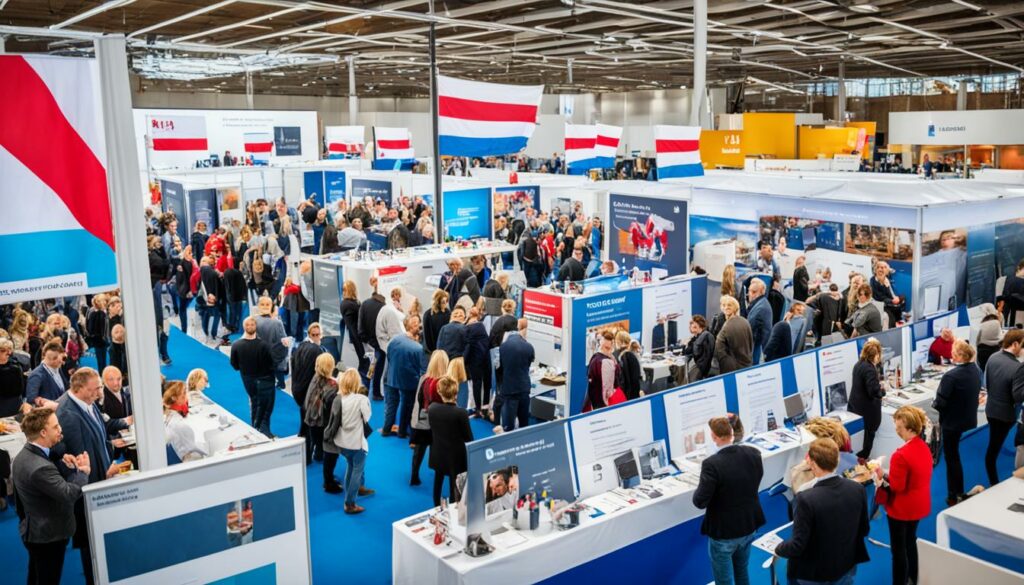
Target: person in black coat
<point x="780" y="342"/>
<point x="830" y="523"/>
<point x="478" y="361"/>
<point x="350" y="328"/>
<point x="303" y="369"/>
<point x="867" y="392"/>
<point x="434" y="318"/>
<point x="235" y="293"/>
<point x="452" y="337"/>
<point x="957" y="403"/>
<point x="1003" y="374"/>
<point x="12" y="381"/>
<point x="629" y="363"/>
<point x="450" y="431"/>
<point x="97" y="329"/>
<point x="368" y="311"/>
<point x="572" y="269"/>
<point x="800" y="279"/>
<point x="729" y="482"/>
<point x="700" y="349"/>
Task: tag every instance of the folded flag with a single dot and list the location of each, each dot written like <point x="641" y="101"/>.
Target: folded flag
<point x="343" y="140"/>
<point x="579" y="148"/>
<point x="607" y="146"/>
<point x="678" y="151"/>
<point x="258" y="146"/>
<point x="485" y="119"/>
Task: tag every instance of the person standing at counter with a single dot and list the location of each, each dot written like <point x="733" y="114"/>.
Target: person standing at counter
<point x="450" y="432"/>
<point x="830" y="523"/>
<point x="434" y="318"/>
<point x="780" y="342"/>
<point x="350" y="328"/>
<point x="908" y="496"/>
<point x="369" y="310"/>
<point x="406" y="362"/>
<point x="866" y="319"/>
<point x="867" y="392"/>
<point x="729" y="481"/>
<point x="759" y="317"/>
<point x="1002" y="374"/>
<point x="572" y="269"/>
<point x="957" y="403"/>
<point x="516" y="356"/>
<point x="458" y="278"/>
<point x="604" y="376"/>
<point x="735" y="342"/>
<point x="478" y="361"/>
<point x="800" y="279"/>
<point x="700" y="349"/>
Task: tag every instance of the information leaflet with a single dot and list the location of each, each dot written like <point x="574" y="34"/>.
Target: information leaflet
<point x="761" y="405"/>
<point x="687" y="412"/>
<point x="836" y="363"/>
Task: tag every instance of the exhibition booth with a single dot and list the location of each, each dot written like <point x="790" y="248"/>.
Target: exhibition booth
<point x="594" y="484"/>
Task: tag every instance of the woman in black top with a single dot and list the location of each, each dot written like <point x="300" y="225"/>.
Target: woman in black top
<point x="867" y="392"/>
<point x="478" y="361"/>
<point x="12" y="381"/>
<point x="434" y="318"/>
<point x="630" y="365"/>
<point x="957" y="403"/>
<point x="350" y="327"/>
<point x="700" y="349"/>
<point x="450" y="431"/>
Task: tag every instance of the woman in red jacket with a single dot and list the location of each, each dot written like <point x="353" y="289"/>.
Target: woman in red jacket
<point x="909" y="493"/>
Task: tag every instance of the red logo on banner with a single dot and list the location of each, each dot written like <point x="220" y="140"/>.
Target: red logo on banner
<point x="163" y="124"/>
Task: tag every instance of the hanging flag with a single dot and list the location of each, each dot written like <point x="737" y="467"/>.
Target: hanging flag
<point x="56" y="229"/>
<point x="678" y="149"/>
<point x="393" y="149"/>
<point x="485" y="119"/>
<point x="178" y="133"/>
<point x="343" y="141"/>
<point x="579" y="148"/>
<point x="258" y="146"/>
<point x="607" y="146"/>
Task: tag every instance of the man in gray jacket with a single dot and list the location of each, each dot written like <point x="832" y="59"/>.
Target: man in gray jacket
<point x="46" y="495"/>
<point x="1004" y="379"/>
<point x="272" y="331"/>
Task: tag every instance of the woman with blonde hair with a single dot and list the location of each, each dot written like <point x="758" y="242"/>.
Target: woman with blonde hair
<point x="734" y="344"/>
<point x="956" y="400"/>
<point x="426" y="394"/>
<point x="729" y="281"/>
<point x="457" y="371"/>
<point x="867" y="392"/>
<point x="321" y="389"/>
<point x="181" y="439"/>
<point x="478" y="360"/>
<point x="449" y="425"/>
<point x="436" y="317"/>
<point x="345" y="434"/>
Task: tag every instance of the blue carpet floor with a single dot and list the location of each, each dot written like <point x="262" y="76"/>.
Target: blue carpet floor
<point x="335" y="536"/>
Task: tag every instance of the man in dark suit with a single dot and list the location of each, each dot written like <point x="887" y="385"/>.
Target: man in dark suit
<point x="660" y="342"/>
<point x="46" y="496"/>
<point x="729" y="482"/>
<point x="515" y="357"/>
<point x="1013" y="294"/>
<point x="404" y="368"/>
<point x="367" y="329"/>
<point x="759" y="315"/>
<point x="830" y="523"/>
<point x="303" y="369"/>
<point x="48" y="381"/>
<point x="86" y="430"/>
<point x="1003" y="373"/>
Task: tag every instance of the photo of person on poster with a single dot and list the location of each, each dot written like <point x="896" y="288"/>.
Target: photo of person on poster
<point x="647" y="233"/>
<point x="944" y="269"/>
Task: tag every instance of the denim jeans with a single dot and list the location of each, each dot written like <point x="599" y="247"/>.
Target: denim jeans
<point x="183" y="303"/>
<point x="210" y="317"/>
<point x="515" y="407"/>
<point x="392" y="397"/>
<point x="406" y="398"/>
<point x="234" y="320"/>
<point x="356" y="460"/>
<point x="261" y="393"/>
<point x="729" y="559"/>
<point x="846" y="579"/>
<point x="378" y="371"/>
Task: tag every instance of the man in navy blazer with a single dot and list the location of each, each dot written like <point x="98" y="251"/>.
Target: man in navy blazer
<point x="87" y="431"/>
<point x="759" y="315"/>
<point x="401" y="376"/>
<point x="515" y="356"/>
<point x="48" y="381"/>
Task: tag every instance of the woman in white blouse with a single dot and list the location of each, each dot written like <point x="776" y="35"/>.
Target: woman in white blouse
<point x="350" y="412"/>
<point x="180" y="436"/>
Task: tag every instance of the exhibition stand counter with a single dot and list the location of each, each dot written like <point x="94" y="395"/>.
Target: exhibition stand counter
<point x="217" y="430"/>
<point x="988" y="526"/>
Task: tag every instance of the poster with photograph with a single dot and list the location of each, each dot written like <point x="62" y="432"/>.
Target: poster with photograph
<point x="892" y="354"/>
<point x="363" y="188"/>
<point x="203" y="207"/>
<point x="708" y="232"/>
<point x="805" y="370"/>
<point x="229" y="202"/>
<point x="619" y="310"/>
<point x="943" y="270"/>
<point x="1009" y="246"/>
<point x="836" y="363"/>
<point x="761" y="405"/>
<point x="666" y="316"/>
<point x="648" y="233"/>
<point x="800" y="233"/>
<point x="884" y="243"/>
<point x="511" y="203"/>
<point x="687" y="412"/>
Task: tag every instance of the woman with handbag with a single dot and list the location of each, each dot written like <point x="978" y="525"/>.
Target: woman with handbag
<point x="905" y="491"/>
<point x="450" y="428"/>
<point x="957" y="403"/>
<point x="347" y="430"/>
<point x="426" y="394"/>
<point x="604" y="376"/>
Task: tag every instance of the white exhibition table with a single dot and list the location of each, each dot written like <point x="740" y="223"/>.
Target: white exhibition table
<point x="533" y="556"/>
<point x="986" y="519"/>
<point x="217" y="430"/>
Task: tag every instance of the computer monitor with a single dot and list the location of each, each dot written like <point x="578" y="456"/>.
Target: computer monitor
<point x="796" y="410"/>
<point x="628" y="469"/>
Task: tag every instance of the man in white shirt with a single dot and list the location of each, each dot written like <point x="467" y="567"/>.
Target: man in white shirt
<point x="389" y="320"/>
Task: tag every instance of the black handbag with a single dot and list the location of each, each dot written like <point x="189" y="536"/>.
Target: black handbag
<point x="367" y="429"/>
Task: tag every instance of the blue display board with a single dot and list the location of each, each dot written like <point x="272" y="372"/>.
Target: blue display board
<point x="648" y="232"/>
<point x="202" y="206"/>
<point x="370" y="188"/>
<point x="173" y="197"/>
<point x="467" y="213"/>
<point x="334" y="183"/>
<point x="313" y="184"/>
<point x="590" y="316"/>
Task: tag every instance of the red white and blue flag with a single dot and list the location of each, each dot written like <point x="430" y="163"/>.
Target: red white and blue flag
<point x="178" y="133"/>
<point x="258" y="146"/>
<point x="343" y="140"/>
<point x="678" y="151"/>
<point x="485" y="119"/>
<point x="580" y="140"/>
<point x="56" y="229"/>
<point x="607" y="145"/>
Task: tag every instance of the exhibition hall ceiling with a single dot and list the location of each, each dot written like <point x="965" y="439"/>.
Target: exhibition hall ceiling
<point x="300" y="47"/>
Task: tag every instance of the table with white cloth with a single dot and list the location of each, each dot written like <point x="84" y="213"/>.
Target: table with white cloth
<point x="216" y="429"/>
<point x="989" y="526"/>
<point x="626" y="525"/>
<point x="657" y="370"/>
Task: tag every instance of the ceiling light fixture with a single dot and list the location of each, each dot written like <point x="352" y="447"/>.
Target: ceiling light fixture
<point x="864" y="8"/>
<point x="965" y="4"/>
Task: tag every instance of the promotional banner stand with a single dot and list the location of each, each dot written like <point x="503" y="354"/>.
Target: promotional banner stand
<point x="132" y="259"/>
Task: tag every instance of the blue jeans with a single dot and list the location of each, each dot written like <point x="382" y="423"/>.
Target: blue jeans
<point x="392" y="397"/>
<point x="210" y="318"/>
<point x="183" y="303"/>
<point x="729" y="559"/>
<point x="846" y="579"/>
<point x="407" y="397"/>
<point x="261" y="393"/>
<point x="356" y="460"/>
<point x="234" y="320"/>
<point x="515" y="407"/>
<point x="378" y="372"/>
